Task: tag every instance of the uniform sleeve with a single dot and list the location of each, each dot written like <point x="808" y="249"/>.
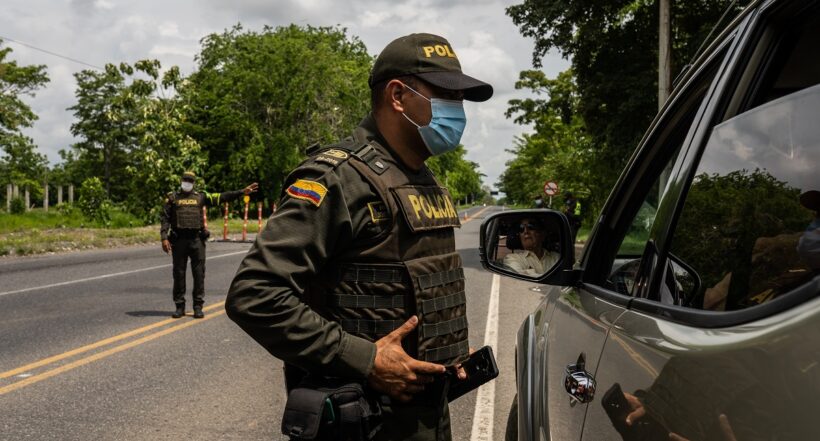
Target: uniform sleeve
<point x="265" y="297"/>
<point x="215" y="199"/>
<point x="165" y="218"/>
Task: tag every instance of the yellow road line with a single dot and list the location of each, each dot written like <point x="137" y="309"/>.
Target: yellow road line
<point x="83" y="361"/>
<point x="91" y="346"/>
<point x="469" y="218"/>
<point x="647" y="366"/>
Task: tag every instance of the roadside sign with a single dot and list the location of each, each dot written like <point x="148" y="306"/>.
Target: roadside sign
<point x="551" y="188"/>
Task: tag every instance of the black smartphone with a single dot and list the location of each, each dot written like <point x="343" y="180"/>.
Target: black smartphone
<point x="617" y="408"/>
<point x="480" y="368"/>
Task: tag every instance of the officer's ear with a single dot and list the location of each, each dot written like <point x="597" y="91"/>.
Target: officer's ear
<point x="394" y="92"/>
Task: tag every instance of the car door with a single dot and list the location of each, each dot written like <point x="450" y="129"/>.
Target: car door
<point x="568" y="332"/>
<point x="565" y="337"/>
<point x="722" y="339"/>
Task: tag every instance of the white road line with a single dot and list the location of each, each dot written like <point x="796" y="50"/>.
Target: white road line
<point x="105" y="276"/>
<point x="485" y="401"/>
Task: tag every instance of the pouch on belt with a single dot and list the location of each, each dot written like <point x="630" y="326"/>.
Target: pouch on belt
<point x="330" y="410"/>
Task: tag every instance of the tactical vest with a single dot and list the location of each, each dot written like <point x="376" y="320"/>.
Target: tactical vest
<point x="412" y="268"/>
<point x="187" y="213"/>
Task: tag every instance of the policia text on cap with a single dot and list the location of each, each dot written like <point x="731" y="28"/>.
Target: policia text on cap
<point x="183" y="234"/>
<point x="356" y="276"/>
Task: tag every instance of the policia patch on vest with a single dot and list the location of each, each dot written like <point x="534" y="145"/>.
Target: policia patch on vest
<point x="426" y="208"/>
<point x="310" y="191"/>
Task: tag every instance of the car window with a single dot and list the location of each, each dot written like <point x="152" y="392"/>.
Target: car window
<point x="637" y="234"/>
<point x="748" y="228"/>
<point x="634" y="243"/>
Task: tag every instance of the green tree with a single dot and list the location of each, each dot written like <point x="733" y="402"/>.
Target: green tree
<point x="132" y="121"/>
<point x="163" y="150"/>
<point x="94" y="202"/>
<point x="558" y="150"/>
<point x="16" y="82"/>
<point x="458" y="174"/>
<point x="613" y="45"/>
<point x="20" y="163"/>
<point x="259" y="98"/>
<point x="104" y="123"/>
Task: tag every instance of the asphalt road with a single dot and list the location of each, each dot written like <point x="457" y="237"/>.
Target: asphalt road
<point x="88" y="350"/>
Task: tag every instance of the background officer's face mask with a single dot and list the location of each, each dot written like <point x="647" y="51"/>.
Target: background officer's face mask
<point x="446" y="126"/>
<point x="187" y="186"/>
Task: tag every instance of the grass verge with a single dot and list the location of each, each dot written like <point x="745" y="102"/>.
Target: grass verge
<point x="39" y="241"/>
<point x="40" y="233"/>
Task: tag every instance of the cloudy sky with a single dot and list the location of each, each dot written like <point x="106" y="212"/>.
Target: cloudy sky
<point x="96" y="32"/>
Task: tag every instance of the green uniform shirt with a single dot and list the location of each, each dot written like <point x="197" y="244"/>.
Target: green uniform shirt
<point x="304" y="235"/>
<point x="209" y="199"/>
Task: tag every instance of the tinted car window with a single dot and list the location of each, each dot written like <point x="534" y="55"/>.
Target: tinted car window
<point x="743" y="221"/>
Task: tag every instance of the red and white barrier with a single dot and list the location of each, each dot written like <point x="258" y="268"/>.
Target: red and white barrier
<point x="226" y="211"/>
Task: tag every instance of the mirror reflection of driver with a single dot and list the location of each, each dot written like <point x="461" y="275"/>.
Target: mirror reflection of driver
<point x="534" y="259"/>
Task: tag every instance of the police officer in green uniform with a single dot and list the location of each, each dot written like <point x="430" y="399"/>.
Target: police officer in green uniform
<point x="183" y="234"/>
<point x="357" y="276"/>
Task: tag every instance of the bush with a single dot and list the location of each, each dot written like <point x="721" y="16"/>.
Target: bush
<point x="67" y="209"/>
<point x="94" y="202"/>
<point x="18" y="206"/>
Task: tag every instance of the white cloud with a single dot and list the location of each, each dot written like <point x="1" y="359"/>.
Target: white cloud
<point x="102" y="4"/>
<point x="168" y="29"/>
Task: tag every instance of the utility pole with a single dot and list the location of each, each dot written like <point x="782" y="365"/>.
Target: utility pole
<point x="664" y="52"/>
<point x="664" y="72"/>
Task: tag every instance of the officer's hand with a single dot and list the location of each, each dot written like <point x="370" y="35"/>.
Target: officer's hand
<point x="166" y="246"/>
<point x="251" y="188"/>
<point x="460" y="372"/>
<point x="637" y="410"/>
<point x="396" y="373"/>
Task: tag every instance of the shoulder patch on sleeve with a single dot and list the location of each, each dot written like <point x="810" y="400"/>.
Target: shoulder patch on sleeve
<point x="310" y="191"/>
<point x="334" y="157"/>
<point x="378" y="212"/>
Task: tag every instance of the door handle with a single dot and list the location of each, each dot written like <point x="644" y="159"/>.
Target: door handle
<point x="579" y="383"/>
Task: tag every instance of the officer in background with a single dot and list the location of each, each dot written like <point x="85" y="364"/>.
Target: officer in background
<point x="356" y="276"/>
<point x="183" y="234"/>
<point x="572" y="209"/>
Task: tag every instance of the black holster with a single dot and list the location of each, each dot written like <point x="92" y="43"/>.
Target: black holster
<point x="330" y="410"/>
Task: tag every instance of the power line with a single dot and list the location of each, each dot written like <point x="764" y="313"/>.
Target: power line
<point x="51" y="53"/>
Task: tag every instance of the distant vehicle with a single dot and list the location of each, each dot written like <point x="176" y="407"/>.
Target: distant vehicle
<point x="694" y="306"/>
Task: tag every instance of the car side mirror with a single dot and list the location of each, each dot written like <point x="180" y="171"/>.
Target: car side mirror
<point x="533" y="245"/>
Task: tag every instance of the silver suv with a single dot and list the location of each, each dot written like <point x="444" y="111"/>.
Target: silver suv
<point x="693" y="310"/>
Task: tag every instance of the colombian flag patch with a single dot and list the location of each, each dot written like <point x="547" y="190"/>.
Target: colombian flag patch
<point x="310" y="191"/>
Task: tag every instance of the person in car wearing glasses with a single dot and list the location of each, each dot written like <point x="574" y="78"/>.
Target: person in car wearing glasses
<point x="529" y="256"/>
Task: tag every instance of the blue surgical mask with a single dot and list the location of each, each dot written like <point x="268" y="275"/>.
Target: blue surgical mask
<point x="446" y="126"/>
